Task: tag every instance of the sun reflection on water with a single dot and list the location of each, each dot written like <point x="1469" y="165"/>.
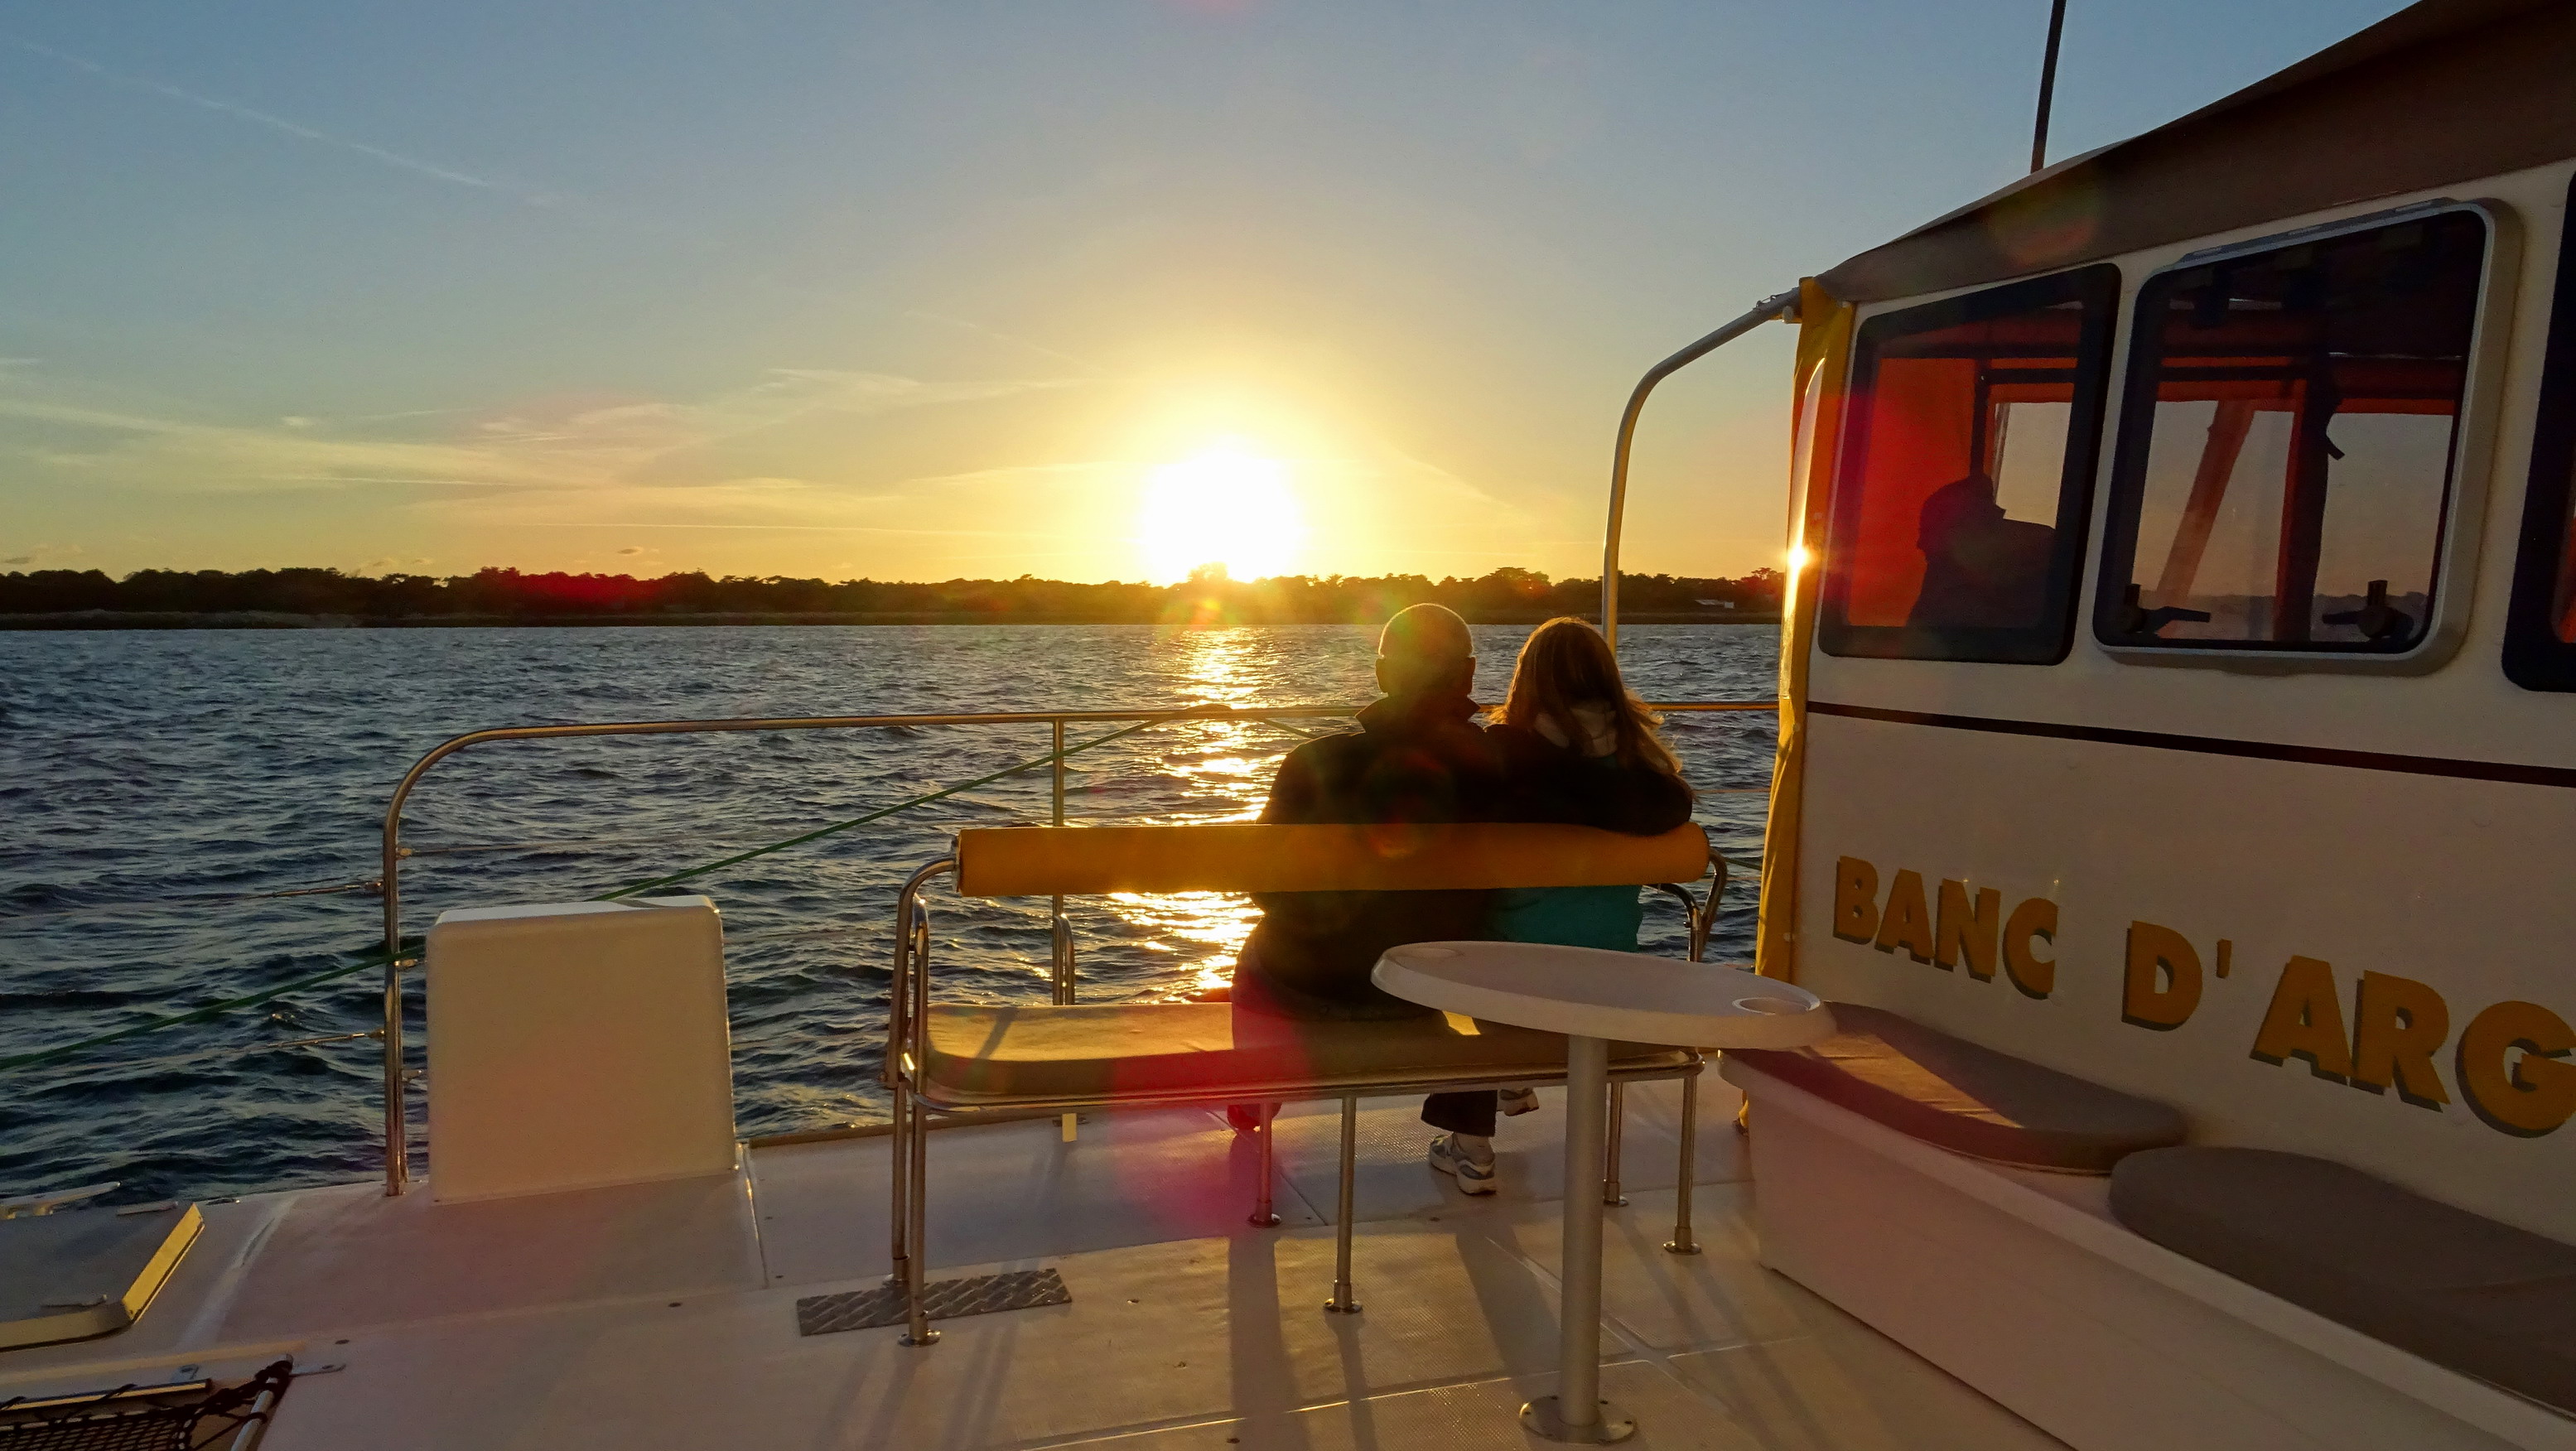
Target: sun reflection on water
<point x="1224" y="768"/>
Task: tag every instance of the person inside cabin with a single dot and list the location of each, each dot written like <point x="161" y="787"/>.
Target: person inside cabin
<point x="1420" y="755"/>
<point x="1578" y="747"/>
<point x="1981" y="570"/>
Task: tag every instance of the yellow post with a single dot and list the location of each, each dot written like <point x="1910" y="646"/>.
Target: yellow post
<point x="1824" y="354"/>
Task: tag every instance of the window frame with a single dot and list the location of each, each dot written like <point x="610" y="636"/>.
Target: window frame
<point x="2465" y="484"/>
<point x="2097" y="286"/>
<point x="2534" y="657"/>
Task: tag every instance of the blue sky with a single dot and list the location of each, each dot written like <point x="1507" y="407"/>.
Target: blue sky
<point x="919" y="291"/>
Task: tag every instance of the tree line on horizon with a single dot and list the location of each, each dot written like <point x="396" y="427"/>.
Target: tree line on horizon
<point x="509" y="594"/>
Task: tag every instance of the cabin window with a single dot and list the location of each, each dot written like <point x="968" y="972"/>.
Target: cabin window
<point x="1959" y="510"/>
<point x="2540" y="634"/>
<point x="2285" y="455"/>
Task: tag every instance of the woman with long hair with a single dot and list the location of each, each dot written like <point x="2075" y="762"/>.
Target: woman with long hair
<point x="1590" y="752"/>
<point x="1579" y="747"/>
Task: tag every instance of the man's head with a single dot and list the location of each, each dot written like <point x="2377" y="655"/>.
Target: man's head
<point x="1425" y="648"/>
<point x="1954" y="512"/>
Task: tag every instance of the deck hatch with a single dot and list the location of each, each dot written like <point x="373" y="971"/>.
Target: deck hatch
<point x="78" y="1273"/>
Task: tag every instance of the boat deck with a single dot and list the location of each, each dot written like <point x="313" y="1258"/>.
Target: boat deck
<point x="665" y="1315"/>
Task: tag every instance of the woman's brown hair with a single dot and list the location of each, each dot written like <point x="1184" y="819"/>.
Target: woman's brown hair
<point x="1565" y="663"/>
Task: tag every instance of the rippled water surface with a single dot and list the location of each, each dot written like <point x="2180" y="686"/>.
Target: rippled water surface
<point x="143" y="773"/>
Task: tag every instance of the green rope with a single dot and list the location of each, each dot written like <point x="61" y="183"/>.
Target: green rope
<point x="154" y="1025"/>
<point x="377" y="958"/>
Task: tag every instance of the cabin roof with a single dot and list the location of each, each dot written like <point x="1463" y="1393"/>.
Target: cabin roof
<point x="2442" y="92"/>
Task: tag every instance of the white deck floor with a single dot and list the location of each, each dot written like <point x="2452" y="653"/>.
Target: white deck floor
<point x="664" y="1315"/>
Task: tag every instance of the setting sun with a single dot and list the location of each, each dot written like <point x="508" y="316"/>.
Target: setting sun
<point x="1223" y="505"/>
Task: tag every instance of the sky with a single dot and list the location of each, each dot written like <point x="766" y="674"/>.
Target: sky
<point x="1083" y="289"/>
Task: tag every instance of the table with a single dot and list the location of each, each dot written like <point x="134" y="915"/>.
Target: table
<point x="1594" y="997"/>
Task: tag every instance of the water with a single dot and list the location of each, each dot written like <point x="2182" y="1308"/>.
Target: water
<point x="142" y="769"/>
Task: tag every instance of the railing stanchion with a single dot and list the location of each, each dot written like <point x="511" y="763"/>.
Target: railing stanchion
<point x="397" y="1135"/>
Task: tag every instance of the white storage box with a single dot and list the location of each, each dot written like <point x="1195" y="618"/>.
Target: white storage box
<point x="576" y="1046"/>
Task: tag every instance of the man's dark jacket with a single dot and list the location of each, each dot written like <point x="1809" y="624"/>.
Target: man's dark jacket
<point x="1415" y="759"/>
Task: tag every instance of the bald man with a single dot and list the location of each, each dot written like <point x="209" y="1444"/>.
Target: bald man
<point x="1418" y="755"/>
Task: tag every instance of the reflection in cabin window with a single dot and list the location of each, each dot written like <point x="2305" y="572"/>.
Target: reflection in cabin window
<point x="1959" y="513"/>
<point x="2285" y="453"/>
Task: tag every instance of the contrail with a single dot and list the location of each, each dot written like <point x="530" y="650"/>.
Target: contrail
<point x="279" y="123"/>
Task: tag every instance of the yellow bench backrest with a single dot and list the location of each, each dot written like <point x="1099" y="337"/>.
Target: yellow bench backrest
<point x="1038" y="861"/>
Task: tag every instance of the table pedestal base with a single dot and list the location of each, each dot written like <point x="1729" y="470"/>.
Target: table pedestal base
<point x="1540" y="1418"/>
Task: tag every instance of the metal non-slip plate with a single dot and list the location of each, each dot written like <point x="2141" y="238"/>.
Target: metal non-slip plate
<point x="944" y="1299"/>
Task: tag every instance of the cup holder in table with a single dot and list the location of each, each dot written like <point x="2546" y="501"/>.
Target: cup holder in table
<point x="1775" y="1007"/>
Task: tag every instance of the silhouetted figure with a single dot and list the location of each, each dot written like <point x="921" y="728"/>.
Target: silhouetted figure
<point x="1981" y="570"/>
<point x="1418" y="756"/>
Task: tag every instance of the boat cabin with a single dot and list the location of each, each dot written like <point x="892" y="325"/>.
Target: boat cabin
<point x="2178" y="699"/>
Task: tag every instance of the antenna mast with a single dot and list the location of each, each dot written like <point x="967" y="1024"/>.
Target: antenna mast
<point x="2047" y="84"/>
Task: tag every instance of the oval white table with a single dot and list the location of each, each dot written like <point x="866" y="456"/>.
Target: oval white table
<point x="1595" y="997"/>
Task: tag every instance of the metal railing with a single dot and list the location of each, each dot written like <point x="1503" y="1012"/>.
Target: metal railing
<point x="397" y="1123"/>
<point x="1783" y="306"/>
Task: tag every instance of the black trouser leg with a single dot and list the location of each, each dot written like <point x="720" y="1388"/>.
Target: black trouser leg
<point x="1461" y="1113"/>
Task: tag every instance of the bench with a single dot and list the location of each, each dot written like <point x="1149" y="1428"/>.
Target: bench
<point x="2052" y="1243"/>
<point x="961" y="1060"/>
<point x="2459" y="1289"/>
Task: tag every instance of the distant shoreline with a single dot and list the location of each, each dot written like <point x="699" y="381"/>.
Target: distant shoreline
<point x="273" y="620"/>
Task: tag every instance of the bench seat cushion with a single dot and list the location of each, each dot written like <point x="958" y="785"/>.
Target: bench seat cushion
<point x="1971" y="1100"/>
<point x="982" y="1057"/>
<point x="2459" y="1289"/>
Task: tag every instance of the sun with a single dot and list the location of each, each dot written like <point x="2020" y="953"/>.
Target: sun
<point x="1225" y="504"/>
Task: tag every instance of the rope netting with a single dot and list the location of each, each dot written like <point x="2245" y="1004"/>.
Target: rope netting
<point x="196" y="1417"/>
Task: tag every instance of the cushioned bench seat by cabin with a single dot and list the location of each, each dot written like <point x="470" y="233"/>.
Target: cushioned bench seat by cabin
<point x="1970" y="1100"/>
<point x="2456" y="1288"/>
<point x="2217" y="1299"/>
<point x="1018" y="1055"/>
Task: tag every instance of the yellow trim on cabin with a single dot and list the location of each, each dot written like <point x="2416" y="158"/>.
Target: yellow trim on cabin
<point x="1816" y="402"/>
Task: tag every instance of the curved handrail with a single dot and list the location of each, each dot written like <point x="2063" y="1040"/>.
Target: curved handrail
<point x="1783" y="306"/>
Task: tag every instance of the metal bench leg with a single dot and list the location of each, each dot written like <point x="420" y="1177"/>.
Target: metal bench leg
<point x="1610" y="1193"/>
<point x="897" y="1219"/>
<point x="1263" y="1215"/>
<point x="1342" y="1303"/>
<point x="917" y="1329"/>
<point x="1682" y="1243"/>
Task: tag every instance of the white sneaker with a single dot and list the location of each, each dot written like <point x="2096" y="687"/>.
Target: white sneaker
<point x="1467" y="1159"/>
<point x="1517" y="1101"/>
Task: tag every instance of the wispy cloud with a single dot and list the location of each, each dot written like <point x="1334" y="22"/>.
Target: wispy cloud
<point x="431" y="169"/>
<point x="1014" y="339"/>
<point x="773" y="453"/>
